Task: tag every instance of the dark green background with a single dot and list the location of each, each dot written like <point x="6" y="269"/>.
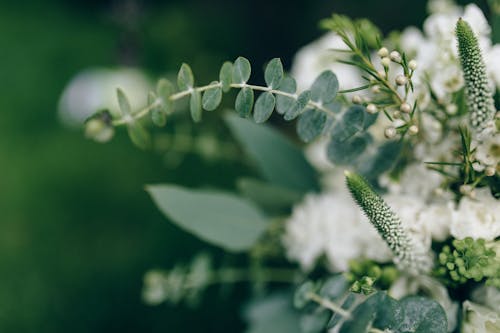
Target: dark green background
<point x="77" y="231"/>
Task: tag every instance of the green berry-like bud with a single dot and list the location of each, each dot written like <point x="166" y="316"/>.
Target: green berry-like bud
<point x="99" y="127"/>
<point x="479" y="96"/>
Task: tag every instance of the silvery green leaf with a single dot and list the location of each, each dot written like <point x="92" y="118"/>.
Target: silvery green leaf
<point x="138" y="135"/>
<point x="220" y="218"/>
<point x="274" y="73"/>
<point x="241" y="70"/>
<point x="325" y="87"/>
<point x="264" y="107"/>
<point x="123" y="102"/>
<point x="422" y="315"/>
<point x="310" y="124"/>
<point x="195" y="106"/>
<point x="226" y="76"/>
<point x="284" y="103"/>
<point x="212" y="98"/>
<point x="244" y="102"/>
<point x="346" y="152"/>
<point x="185" y="79"/>
<point x="298" y="106"/>
<point x="165" y="89"/>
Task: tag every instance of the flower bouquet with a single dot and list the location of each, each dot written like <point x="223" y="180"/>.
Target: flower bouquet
<point x="388" y="220"/>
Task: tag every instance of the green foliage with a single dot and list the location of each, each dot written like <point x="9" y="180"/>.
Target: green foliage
<point x="311" y="124"/>
<point x="222" y="219"/>
<point x="185" y="78"/>
<point x="468" y="259"/>
<point x="244" y="102"/>
<point x="324" y="88"/>
<point x="212" y="97"/>
<point x="272" y="314"/>
<point x="195" y="106"/>
<point x="285" y="102"/>
<point x="268" y="196"/>
<point x="226" y="76"/>
<point x="273" y="73"/>
<point x="382" y="276"/>
<point x="264" y="107"/>
<point x="288" y="168"/>
<point x="241" y="70"/>
<point x="123" y="102"/>
<point x="138" y="135"/>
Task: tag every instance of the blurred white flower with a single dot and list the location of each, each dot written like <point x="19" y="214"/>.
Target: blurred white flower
<point x="480" y="319"/>
<point x="331" y="224"/>
<point x="318" y="56"/>
<point x="477" y="218"/>
<point x="95" y="89"/>
<point x="488" y="150"/>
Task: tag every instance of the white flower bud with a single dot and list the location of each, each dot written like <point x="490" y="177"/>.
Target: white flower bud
<point x="451" y="109"/>
<point x="396" y="114"/>
<point x="395" y="56"/>
<point x="371" y="108"/>
<point x="466" y="189"/>
<point x="385" y="62"/>
<point x="489" y="171"/>
<point x="412" y="64"/>
<point x="375" y="89"/>
<point x="413" y="130"/>
<point x="390" y="132"/>
<point x="383" y="52"/>
<point x="401" y="80"/>
<point x="405" y="107"/>
<point x="381" y="74"/>
<point x="356" y="99"/>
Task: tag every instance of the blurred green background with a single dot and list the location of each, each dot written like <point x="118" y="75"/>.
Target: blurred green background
<point x="77" y="231"/>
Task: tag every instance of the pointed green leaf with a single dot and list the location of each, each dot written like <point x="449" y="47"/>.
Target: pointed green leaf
<point x="325" y="87"/>
<point x="284" y="103"/>
<point x="195" y="105"/>
<point x="299" y="105"/>
<point x="123" y="103"/>
<point x="138" y="135"/>
<point x="158" y="115"/>
<point x="185" y="79"/>
<point x="212" y="98"/>
<point x="278" y="159"/>
<point x="274" y="73"/>
<point x="244" y="102"/>
<point x="310" y="124"/>
<point x="264" y="107"/>
<point x="165" y="89"/>
<point x="222" y="219"/>
<point x="371" y="166"/>
<point x="354" y="120"/>
<point x="268" y="195"/>
<point x="226" y="76"/>
<point x="241" y="70"/>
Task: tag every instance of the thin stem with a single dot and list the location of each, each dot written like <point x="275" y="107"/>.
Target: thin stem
<point x="328" y="304"/>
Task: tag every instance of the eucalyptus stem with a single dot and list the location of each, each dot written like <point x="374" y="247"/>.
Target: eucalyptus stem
<point x="326" y="303"/>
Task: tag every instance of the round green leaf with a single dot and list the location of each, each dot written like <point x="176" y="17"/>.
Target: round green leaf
<point x="241" y="70"/>
<point x="138" y="135"/>
<point x="325" y="87"/>
<point x="226" y="76"/>
<point x="165" y="89"/>
<point x="310" y="124"/>
<point x="158" y="117"/>
<point x="195" y="105"/>
<point x="185" y="79"/>
<point x="244" y="102"/>
<point x="123" y="102"/>
<point x="301" y="296"/>
<point x="422" y="315"/>
<point x="274" y="73"/>
<point x="212" y="98"/>
<point x="346" y="152"/>
<point x="284" y="103"/>
<point x="298" y="106"/>
<point x="264" y="107"/>
<point x="222" y="219"/>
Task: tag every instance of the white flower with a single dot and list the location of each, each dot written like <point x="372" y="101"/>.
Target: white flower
<point x="318" y="56"/>
<point x="477" y="218"/>
<point x="488" y="151"/>
<point x="480" y="319"/>
<point x="436" y="219"/>
<point x="331" y="224"/>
